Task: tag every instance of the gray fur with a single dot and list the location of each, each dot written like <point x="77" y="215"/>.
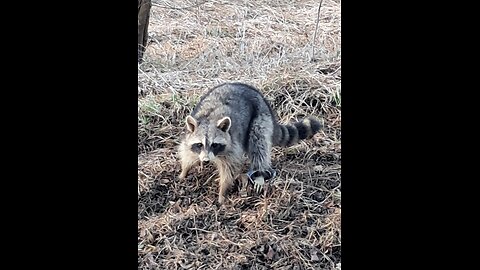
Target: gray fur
<point x="236" y="119"/>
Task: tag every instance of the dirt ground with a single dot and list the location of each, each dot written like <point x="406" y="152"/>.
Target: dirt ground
<point x="195" y="45"/>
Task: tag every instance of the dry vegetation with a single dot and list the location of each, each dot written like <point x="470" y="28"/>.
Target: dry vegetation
<point x="196" y="45"/>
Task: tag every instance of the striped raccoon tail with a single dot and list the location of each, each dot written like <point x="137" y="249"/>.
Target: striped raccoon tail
<point x="288" y="135"/>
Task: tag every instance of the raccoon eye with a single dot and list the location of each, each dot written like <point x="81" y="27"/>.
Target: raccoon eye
<point x="197" y="147"/>
<point x="217" y="148"/>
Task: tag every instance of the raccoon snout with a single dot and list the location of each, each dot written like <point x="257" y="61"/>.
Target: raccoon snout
<point x="204" y="157"/>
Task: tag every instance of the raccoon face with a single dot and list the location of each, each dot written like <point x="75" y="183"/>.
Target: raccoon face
<point x="208" y="140"/>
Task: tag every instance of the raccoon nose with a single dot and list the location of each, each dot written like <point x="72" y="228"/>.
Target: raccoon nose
<point x="205" y="160"/>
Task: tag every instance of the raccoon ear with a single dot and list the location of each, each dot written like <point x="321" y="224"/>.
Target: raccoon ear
<point x="191" y="123"/>
<point x="224" y="124"/>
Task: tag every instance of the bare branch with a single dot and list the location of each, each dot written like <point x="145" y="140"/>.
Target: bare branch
<point x="316" y="28"/>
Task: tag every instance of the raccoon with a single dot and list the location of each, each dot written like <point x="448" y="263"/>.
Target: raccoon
<point x="232" y="120"/>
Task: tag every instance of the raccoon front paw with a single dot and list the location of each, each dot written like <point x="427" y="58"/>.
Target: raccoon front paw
<point x="258" y="183"/>
<point x="221" y="199"/>
<point x="182" y="175"/>
<point x="259" y="178"/>
<point x="243" y="185"/>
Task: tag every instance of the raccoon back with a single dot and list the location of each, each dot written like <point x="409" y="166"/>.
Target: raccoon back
<point x="241" y="102"/>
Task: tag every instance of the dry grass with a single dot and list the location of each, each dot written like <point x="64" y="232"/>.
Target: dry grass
<point x="295" y="224"/>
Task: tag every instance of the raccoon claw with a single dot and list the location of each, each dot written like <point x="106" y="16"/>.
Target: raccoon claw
<point x="259" y="182"/>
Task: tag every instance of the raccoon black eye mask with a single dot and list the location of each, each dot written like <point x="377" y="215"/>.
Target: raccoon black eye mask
<point x="233" y="120"/>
